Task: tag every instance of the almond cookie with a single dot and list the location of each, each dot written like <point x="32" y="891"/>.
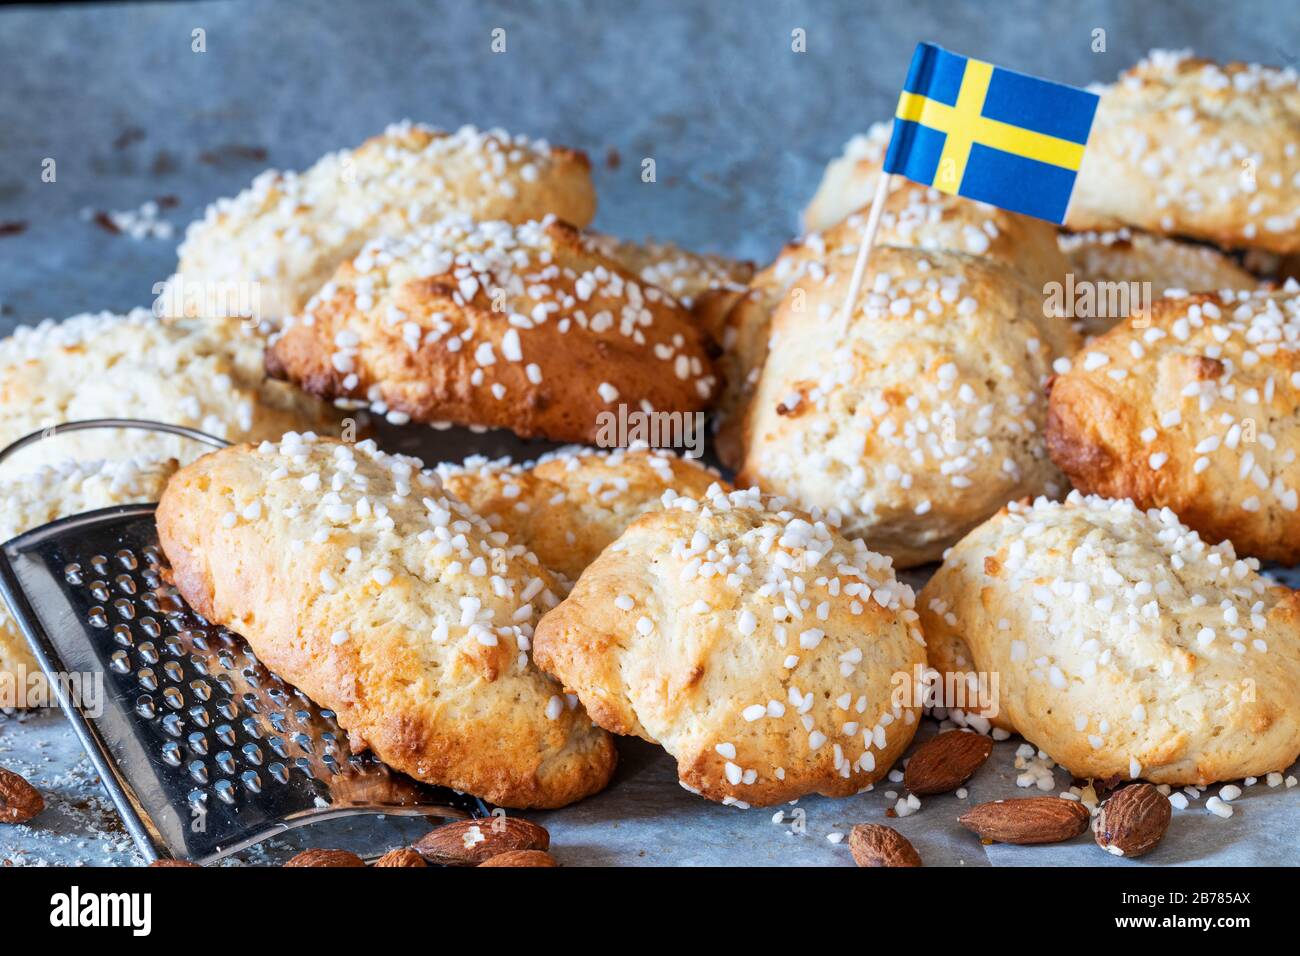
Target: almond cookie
<point x="488" y="324"/>
<point x="1124" y="645"/>
<point x="1156" y="265"/>
<point x="39" y="497"/>
<point x="684" y="274"/>
<point x="914" y="217"/>
<point x="770" y="655"/>
<point x="922" y="420"/>
<point x="1184" y="146"/>
<point x="1198" y="411"/>
<point x="355" y="578"/>
<point x="265" y="252"/>
<point x="569" y="505"/>
<point x="205" y="375"/>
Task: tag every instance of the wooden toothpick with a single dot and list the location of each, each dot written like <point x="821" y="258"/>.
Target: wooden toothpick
<point x="864" y="250"/>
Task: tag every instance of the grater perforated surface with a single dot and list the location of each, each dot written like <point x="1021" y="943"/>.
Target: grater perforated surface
<point x="203" y="750"/>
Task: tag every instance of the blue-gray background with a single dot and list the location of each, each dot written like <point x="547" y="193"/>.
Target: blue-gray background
<point x="740" y="128"/>
<point x="739" y="125"/>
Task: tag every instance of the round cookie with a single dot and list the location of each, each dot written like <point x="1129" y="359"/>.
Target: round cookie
<point x="1184" y="146"/>
<point x="355" y="578"/>
<point x="1108" y="258"/>
<point x="204" y="375"/>
<point x="268" y="250"/>
<point x="1196" y="408"/>
<point x="1124" y="645"/>
<point x="39" y="497"/>
<point x="925" y="418"/>
<point x="767" y="653"/>
<point x="569" y="505"/>
<point x="488" y="324"/>
<point x="914" y="217"/>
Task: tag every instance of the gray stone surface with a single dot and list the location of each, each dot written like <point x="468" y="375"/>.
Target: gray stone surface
<point x="740" y="128"/>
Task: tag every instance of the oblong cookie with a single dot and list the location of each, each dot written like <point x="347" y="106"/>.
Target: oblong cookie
<point x="752" y="641"/>
<point x="355" y="578"/>
<point x="1198" y="411"/>
<point x="204" y="375"/>
<point x="1123" y="645"/>
<point x="1185" y="146"/>
<point x="569" y="505"/>
<point x="270" y="248"/>
<point x="488" y="324"/>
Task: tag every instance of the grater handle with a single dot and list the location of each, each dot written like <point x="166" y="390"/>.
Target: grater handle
<point x="140" y="424"/>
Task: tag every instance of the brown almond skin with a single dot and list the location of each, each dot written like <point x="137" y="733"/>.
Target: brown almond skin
<point x="403" y="856"/>
<point x="521" y="858"/>
<point x="1133" y="821"/>
<point x="470" y="842"/>
<point x="943" y="763"/>
<point x="1027" y="821"/>
<point x="174" y="863"/>
<point x="19" y="800"/>
<point x="873" y="844"/>
<point x="326" y="858"/>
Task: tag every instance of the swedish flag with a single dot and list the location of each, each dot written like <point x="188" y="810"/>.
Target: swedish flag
<point x="974" y="129"/>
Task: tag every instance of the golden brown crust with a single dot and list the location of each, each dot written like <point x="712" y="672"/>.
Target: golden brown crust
<point x="711" y="309"/>
<point x="353" y="577"/>
<point x="570" y="505"/>
<point x="1184" y="146"/>
<point x="760" y="648"/>
<point x="1199" y="412"/>
<point x="1120" y="643"/>
<point x="487" y="324"/>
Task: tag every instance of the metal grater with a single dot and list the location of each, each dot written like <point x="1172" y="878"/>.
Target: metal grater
<point x="202" y="749"/>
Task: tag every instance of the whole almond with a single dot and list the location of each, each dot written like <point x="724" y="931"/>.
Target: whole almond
<point x="173" y="863"/>
<point x="470" y="842"/>
<point x="19" y="800"/>
<point x="873" y="844"/>
<point x="403" y="856"/>
<point x="521" y="858"/>
<point x="1027" y="821"/>
<point x="945" y="762"/>
<point x="1132" y="821"/>
<point x="326" y="858"/>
